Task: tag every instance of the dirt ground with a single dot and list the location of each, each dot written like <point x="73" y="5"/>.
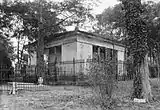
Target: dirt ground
<point x="74" y="98"/>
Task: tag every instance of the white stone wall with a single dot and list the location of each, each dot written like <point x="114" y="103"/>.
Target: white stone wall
<point x="46" y="55"/>
<point x="84" y="51"/>
<point x="121" y="63"/>
<point x="88" y="42"/>
<point x="69" y="51"/>
<point x="32" y="59"/>
<point x="120" y="55"/>
<point x="92" y="41"/>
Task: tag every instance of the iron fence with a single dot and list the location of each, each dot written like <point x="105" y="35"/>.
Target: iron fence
<point x="73" y="72"/>
<point x="10" y="75"/>
<point x="76" y="71"/>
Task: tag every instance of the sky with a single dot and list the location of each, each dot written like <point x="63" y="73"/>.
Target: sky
<point x="110" y="3"/>
<point x="104" y="4"/>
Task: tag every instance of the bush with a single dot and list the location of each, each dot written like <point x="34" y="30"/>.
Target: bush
<point x="82" y="79"/>
<point x="102" y="78"/>
<point x="50" y="79"/>
<point x="153" y="71"/>
<point x="30" y="79"/>
<point x="19" y="79"/>
<point x="130" y="68"/>
<point x="61" y="79"/>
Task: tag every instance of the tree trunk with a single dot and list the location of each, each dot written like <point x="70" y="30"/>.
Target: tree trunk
<point x="158" y="62"/>
<point x="141" y="83"/>
<point x="18" y="49"/>
<point x="40" y="46"/>
<point x="158" y="68"/>
<point x="137" y="83"/>
<point x="144" y="69"/>
<point x="40" y="58"/>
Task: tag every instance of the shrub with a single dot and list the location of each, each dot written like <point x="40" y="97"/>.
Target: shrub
<point x="130" y="68"/>
<point x="82" y="79"/>
<point x="102" y="78"/>
<point x="30" y="79"/>
<point x="50" y="79"/>
<point x="153" y="71"/>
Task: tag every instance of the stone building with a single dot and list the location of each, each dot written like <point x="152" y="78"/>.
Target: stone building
<point x="79" y="46"/>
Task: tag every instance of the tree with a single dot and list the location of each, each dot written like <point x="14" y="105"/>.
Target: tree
<point x="42" y="19"/>
<point x="74" y="12"/>
<point x="6" y="47"/>
<point x="138" y="46"/>
<point x="153" y="15"/>
<point x="111" y="20"/>
<point x="138" y="26"/>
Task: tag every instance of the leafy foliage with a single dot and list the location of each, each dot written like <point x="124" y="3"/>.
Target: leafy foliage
<point x="103" y="80"/>
<point x="55" y="16"/>
<point x="40" y="19"/>
<point x="138" y="45"/>
<point x="136" y="27"/>
<point x="6" y="47"/>
<point x="111" y="21"/>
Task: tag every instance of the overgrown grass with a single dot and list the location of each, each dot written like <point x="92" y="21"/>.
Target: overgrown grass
<point x="78" y="98"/>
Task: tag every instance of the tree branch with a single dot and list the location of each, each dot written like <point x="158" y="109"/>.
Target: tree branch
<point x="58" y="22"/>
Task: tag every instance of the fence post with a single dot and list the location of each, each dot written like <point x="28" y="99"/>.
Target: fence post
<point x="14" y="88"/>
<point x="55" y="70"/>
<point x="0" y="74"/>
<point x="74" y="71"/>
<point x="74" y="66"/>
<point x="14" y="82"/>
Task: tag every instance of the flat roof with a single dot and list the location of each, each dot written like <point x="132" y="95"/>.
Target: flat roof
<point x="62" y="35"/>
